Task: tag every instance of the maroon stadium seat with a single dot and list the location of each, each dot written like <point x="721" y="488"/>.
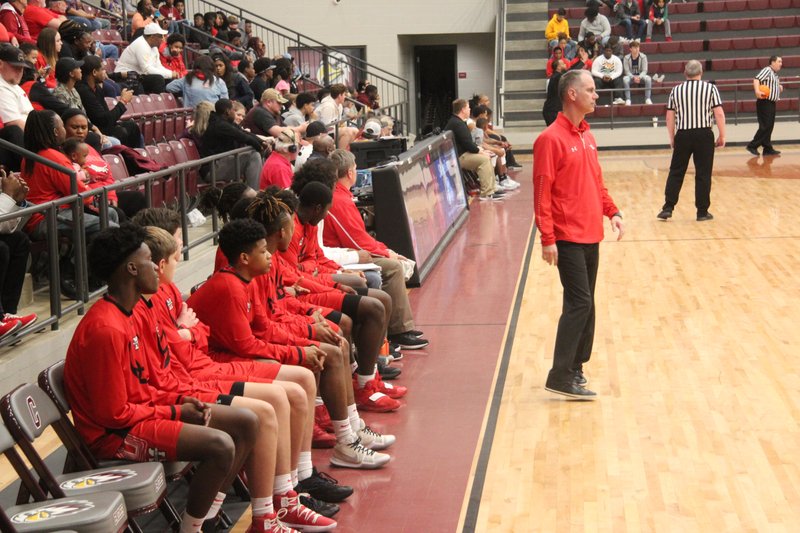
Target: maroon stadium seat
<point x="722" y="64"/>
<point x="626" y="111"/>
<point x="766" y="42"/>
<point x="669" y="48"/>
<point x="747" y="63"/>
<point x="791" y="61"/>
<point x="729" y="106"/>
<point x="192" y="175"/>
<point x="758" y="5"/>
<point x="780" y="4"/>
<point x="747" y="106"/>
<point x="691" y="46"/>
<point x="602" y="112"/>
<point x="654" y="110"/>
<point x="683" y="9"/>
<point x="788" y="41"/>
<point x="784" y="22"/>
<point x="171" y="181"/>
<point x="716" y="25"/>
<point x="117" y="165"/>
<point x="716" y="6"/>
<point x="735" y="5"/>
<point x="741" y="24"/>
<point x="743" y="43"/>
<point x="719" y="45"/>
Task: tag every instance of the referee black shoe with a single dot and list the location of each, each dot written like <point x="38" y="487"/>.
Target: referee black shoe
<point x="771" y="152"/>
<point x="665" y="213"/>
<point x="752" y="150"/>
<point x="571" y="390"/>
<point x="704" y="217"/>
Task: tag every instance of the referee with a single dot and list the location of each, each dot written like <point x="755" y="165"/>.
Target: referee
<point x="765" y="106"/>
<point x="689" y="110"/>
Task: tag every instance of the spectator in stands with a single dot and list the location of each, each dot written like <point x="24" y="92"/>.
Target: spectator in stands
<point x="223" y="135"/>
<point x="142" y="17"/>
<point x="39" y="17"/>
<point x="238" y="88"/>
<point x="14" y="103"/>
<point x="76" y="13"/>
<point x="765" y="106"/>
<point x="279" y="169"/>
<point x="90" y="88"/>
<point x="171" y="55"/>
<point x="470" y="156"/>
<point x="49" y="44"/>
<point x="590" y="45"/>
<point x="370" y="98"/>
<point x="263" y="68"/>
<point x="302" y="111"/>
<point x="634" y="68"/>
<point x="198" y="123"/>
<point x="552" y="103"/>
<point x="257" y="47"/>
<point x="68" y="73"/>
<point x="142" y="57"/>
<point x="12" y="18"/>
<point x="201" y="84"/>
<point x="169" y="11"/>
<point x="607" y="72"/>
<point x="265" y="119"/>
<point x="15" y="249"/>
<point x="628" y="15"/>
<point x="582" y="60"/>
<point x="558" y="55"/>
<point x="659" y="16"/>
<point x="316" y="131"/>
<point x="596" y="23"/>
<point x="330" y="111"/>
<point x="559" y="25"/>
<point x="245" y="68"/>
<point x="197" y="32"/>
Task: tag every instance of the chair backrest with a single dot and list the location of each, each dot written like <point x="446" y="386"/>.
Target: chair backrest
<point x="28" y="411"/>
<point x="179" y="151"/>
<point x="191" y="149"/>
<point x="118" y="168"/>
<point x="167" y="156"/>
<point x="169" y="101"/>
<point x="51" y="381"/>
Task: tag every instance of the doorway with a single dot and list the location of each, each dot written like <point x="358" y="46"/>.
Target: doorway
<point x="436" y="81"/>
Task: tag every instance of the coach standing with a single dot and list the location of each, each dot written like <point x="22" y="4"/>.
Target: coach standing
<point x="570" y="201"/>
<point x="689" y="110"/>
<point x="765" y="106"/>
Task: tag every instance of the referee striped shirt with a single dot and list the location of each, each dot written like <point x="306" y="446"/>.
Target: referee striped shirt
<point x="769" y="77"/>
<point x="693" y="102"/>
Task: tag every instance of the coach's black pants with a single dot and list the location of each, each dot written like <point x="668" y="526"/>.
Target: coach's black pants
<point x="697" y="144"/>
<point x="765" y="111"/>
<point x="577" y="268"/>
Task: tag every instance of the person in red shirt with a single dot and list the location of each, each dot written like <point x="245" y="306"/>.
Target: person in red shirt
<point x="115" y="409"/>
<point x="12" y="18"/>
<point x="570" y="200"/>
<point x="39" y="17"/>
<point x="344" y="228"/>
<point x="279" y="167"/>
<point x="171" y="54"/>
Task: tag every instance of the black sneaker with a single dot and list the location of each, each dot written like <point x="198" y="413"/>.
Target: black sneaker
<point x="771" y="151"/>
<point x="704" y="217"/>
<point x="318" y="506"/>
<point x="407" y="341"/>
<point x="665" y="214"/>
<point x="752" y="150"/>
<point x="417" y="333"/>
<point x="388" y="372"/>
<point x="580" y="379"/>
<point x="323" y="487"/>
<point x="571" y="390"/>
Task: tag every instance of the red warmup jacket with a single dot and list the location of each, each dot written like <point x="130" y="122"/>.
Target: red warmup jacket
<point x="106" y="377"/>
<point x="569" y="196"/>
<point x="236" y="321"/>
<point x="344" y="227"/>
<point x="304" y="252"/>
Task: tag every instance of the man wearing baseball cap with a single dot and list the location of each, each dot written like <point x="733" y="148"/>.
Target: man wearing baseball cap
<point x="14" y="103"/>
<point x="142" y="57"/>
<point x="264" y="68"/>
<point x="265" y="119"/>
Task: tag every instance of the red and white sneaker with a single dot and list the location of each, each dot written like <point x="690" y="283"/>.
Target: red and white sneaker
<point x="392" y="391"/>
<point x="26" y="320"/>
<point x="370" y="398"/>
<point x="9" y="327"/>
<point x="270" y="523"/>
<point x="300" y="517"/>
<point x="321" y="438"/>
<point x="323" y="418"/>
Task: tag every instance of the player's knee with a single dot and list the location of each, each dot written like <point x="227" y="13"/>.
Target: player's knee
<point x="297" y="397"/>
<point x="346" y="325"/>
<point x="371" y="309"/>
<point x="219" y="450"/>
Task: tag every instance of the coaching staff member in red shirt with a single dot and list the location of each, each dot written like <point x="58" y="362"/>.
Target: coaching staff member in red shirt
<point x="570" y="201"/>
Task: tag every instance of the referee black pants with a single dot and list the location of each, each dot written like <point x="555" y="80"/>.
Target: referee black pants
<point x="577" y="268"/>
<point x="765" y="111"/>
<point x="697" y="144"/>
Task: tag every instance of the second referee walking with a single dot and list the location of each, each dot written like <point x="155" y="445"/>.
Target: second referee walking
<point x="690" y="109"/>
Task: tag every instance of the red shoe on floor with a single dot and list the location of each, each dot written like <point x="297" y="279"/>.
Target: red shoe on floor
<point x="270" y="523"/>
<point x="322" y="418"/>
<point x="299" y="516"/>
<point x="370" y="398"/>
<point x="392" y="391"/>
<point x="7" y="328"/>
<point x="321" y="438"/>
<point x="26" y="320"/>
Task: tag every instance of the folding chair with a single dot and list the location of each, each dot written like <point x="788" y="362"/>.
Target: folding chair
<point x="101" y="512"/>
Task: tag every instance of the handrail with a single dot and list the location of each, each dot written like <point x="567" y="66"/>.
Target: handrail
<point x="500" y="59"/>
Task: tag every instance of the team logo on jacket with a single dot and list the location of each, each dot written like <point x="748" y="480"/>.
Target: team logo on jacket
<point x="170" y="305"/>
<point x="248" y="306"/>
<point x="135" y="342"/>
<point x="99" y="478"/>
<point x="51" y="511"/>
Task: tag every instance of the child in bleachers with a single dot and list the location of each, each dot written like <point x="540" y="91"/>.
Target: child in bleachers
<point x="78" y="152"/>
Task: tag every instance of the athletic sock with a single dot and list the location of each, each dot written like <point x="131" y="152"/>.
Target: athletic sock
<point x="190" y="524"/>
<point x="261" y="507"/>
<point x="343" y="431"/>
<point x="352" y="415"/>
<point x="294" y="477"/>
<point x="216" y="505"/>
<point x="282" y="484"/>
<point x="318" y="401"/>
<point x="363" y="380"/>
<point x="304" y="466"/>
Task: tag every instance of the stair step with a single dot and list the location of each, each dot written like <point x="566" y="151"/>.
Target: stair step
<point x="519" y="45"/>
<point x="528" y="7"/>
<point x="522" y="115"/>
<point x="516" y="106"/>
<point x="526" y="64"/>
<point x="533" y="27"/>
<point x="524" y="85"/>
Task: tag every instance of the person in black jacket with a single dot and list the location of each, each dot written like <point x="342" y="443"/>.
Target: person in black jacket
<point x="552" y="104"/>
<point x="223" y="135"/>
<point x="90" y="89"/>
<point x="470" y="156"/>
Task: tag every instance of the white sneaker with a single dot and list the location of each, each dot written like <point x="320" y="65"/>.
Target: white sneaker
<point x="627" y="102"/>
<point x="619" y="101"/>
<point x="648" y="101"/>
<point x="509" y="185"/>
<point x="354" y="455"/>
<point x="372" y="439"/>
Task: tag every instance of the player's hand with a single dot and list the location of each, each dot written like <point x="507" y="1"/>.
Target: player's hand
<point x="364" y="256"/>
<point x="193" y="411"/>
<point x="619" y="226"/>
<point x="318" y="316"/>
<point x="300" y="290"/>
<point x="187" y="318"/>
<point x="324" y="333"/>
<point x="315" y="358"/>
<point x="550" y="254"/>
<point x="347" y="289"/>
<point x="720" y="143"/>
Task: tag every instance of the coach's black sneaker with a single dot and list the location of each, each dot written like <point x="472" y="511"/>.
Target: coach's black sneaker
<point x="705" y="216"/>
<point x="408" y="341"/>
<point x="417" y="333"/>
<point x="388" y="372"/>
<point x="752" y="150"/>
<point x="318" y="506"/>
<point x="771" y="151"/>
<point x="580" y="379"/>
<point x="571" y="390"/>
<point x="665" y="213"/>
<point x="323" y="487"/>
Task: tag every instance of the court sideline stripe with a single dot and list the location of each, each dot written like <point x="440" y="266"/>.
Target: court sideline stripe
<point x="468" y="519"/>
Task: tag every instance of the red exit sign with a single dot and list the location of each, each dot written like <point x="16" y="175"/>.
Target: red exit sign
<point x="462" y="75"/>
